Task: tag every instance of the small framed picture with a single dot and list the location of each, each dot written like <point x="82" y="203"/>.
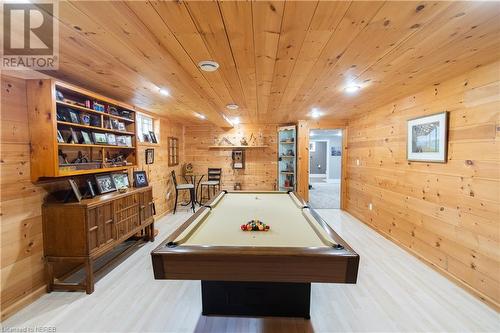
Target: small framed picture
<point x="111" y="138"/>
<point x="121" y="180"/>
<point x="76" y="190"/>
<point x="86" y="138"/>
<point x="85" y="119"/>
<point x="128" y="141"/>
<point x="74" y="117"/>
<point x="99" y="138"/>
<point x="427" y="139"/>
<point x="153" y="137"/>
<point x="147" y="138"/>
<point x="105" y="183"/>
<point x="74" y="136"/>
<point x="150" y="156"/>
<point x="60" y="138"/>
<point x="121" y="140"/>
<point x="140" y="179"/>
<point x="121" y="126"/>
<point x="90" y="188"/>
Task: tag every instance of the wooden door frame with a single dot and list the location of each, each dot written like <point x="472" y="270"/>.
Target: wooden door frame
<point x="303" y="129"/>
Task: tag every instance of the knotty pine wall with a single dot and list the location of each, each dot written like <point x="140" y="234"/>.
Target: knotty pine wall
<point x="260" y="171"/>
<point x="22" y="266"/>
<point x="447" y="214"/>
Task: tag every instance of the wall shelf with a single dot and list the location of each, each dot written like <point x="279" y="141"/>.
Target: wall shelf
<point x="102" y="129"/>
<point x="237" y="147"/>
<point x="82" y="108"/>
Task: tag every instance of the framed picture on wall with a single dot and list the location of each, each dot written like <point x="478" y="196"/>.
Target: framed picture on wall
<point x="427" y="139"/>
<point x="150" y="156"/>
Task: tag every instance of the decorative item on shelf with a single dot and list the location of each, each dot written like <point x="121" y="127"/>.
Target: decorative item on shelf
<point x="105" y="183"/>
<point x="59" y="96"/>
<point x="140" y="179"/>
<point x="95" y="120"/>
<point x="98" y="106"/>
<point x="252" y="140"/>
<point x="225" y="142"/>
<point x="90" y="188"/>
<point x="121" y="140"/>
<point x="74" y="118"/>
<point x="187" y="169"/>
<point x="81" y="158"/>
<point x="243" y="141"/>
<point x="63" y="158"/>
<point x="113" y="110"/>
<point x="126" y="114"/>
<point x="260" y="138"/>
<point x="74" y="136"/>
<point x="237" y="186"/>
<point x="111" y="138"/>
<point x="152" y="135"/>
<point x="85" y="119"/>
<point x="60" y="138"/>
<point x="238" y="157"/>
<point x="86" y="138"/>
<point x="150" y="156"/>
<point x="121" y="180"/>
<point x="88" y="104"/>
<point x="74" y="192"/>
<point x="99" y="138"/>
<point x="427" y="138"/>
<point x="146" y="137"/>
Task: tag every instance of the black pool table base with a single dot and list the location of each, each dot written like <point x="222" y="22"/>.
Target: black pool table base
<point x="279" y="299"/>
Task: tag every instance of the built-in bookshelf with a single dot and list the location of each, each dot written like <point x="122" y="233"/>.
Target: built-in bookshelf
<point x="287" y="163"/>
<point x="74" y="131"/>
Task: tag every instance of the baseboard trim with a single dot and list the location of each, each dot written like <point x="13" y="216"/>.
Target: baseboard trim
<point x="23" y="302"/>
<point x="456" y="280"/>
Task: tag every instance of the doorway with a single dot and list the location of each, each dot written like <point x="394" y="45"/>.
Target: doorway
<point x="325" y="168"/>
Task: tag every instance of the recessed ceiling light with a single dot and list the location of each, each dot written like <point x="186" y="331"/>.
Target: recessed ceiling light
<point x="164" y="92"/>
<point x="232" y="106"/>
<point x="235" y="120"/>
<point x="208" y="65"/>
<point x="351" y="88"/>
<point x="315" y="113"/>
<point x="199" y="115"/>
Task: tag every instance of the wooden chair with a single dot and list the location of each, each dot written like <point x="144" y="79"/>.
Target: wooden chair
<point x="183" y="187"/>
<point x="212" y="182"/>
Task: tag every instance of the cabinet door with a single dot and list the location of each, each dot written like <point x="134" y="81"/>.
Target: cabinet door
<point x="146" y="206"/>
<point x="126" y="215"/>
<point x="100" y="225"/>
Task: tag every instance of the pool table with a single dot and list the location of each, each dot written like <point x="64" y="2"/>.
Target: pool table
<point x="256" y="273"/>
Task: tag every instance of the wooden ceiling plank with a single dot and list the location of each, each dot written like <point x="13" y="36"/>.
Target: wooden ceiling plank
<point x="297" y="18"/>
<point x="149" y="16"/>
<point x="324" y="23"/>
<point x="354" y="21"/>
<point x="423" y="64"/>
<point x="208" y="20"/>
<point x="176" y="17"/>
<point x="237" y="19"/>
<point x="267" y="18"/>
<point x="390" y="27"/>
<point x="123" y="34"/>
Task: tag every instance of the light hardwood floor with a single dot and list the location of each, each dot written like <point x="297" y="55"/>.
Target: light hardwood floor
<point x="395" y="293"/>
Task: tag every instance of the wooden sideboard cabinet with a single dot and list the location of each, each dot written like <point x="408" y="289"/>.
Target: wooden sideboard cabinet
<point x="81" y="232"/>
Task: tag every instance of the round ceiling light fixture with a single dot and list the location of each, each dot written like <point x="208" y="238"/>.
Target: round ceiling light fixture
<point x="208" y="65"/>
<point x="201" y="116"/>
<point x="315" y="113"/>
<point x="232" y="106"/>
<point x="352" y="88"/>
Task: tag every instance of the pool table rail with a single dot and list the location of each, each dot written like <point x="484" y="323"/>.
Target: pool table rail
<point x="330" y="264"/>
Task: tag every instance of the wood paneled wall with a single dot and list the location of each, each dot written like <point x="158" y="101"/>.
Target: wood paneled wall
<point x="260" y="171"/>
<point x="446" y="214"/>
<point x="22" y="266"/>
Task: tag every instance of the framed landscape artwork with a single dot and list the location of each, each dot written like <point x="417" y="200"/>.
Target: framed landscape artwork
<point x="428" y="138"/>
